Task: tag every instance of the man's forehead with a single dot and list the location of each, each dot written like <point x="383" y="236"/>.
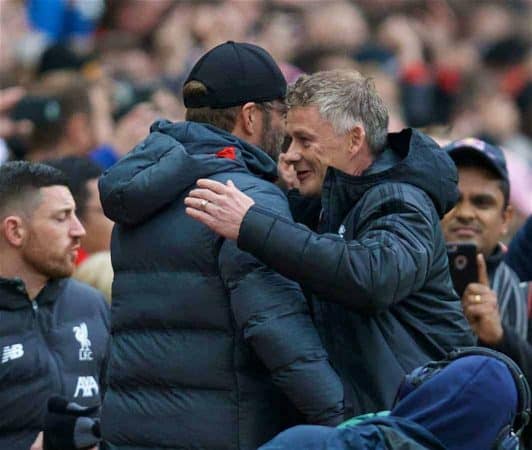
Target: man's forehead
<point x="475" y="181"/>
<point x="303" y="117"/>
<point x="56" y="197"/>
<point x="477" y="173"/>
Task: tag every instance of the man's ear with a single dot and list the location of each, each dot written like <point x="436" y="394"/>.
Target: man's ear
<point x="357" y="138"/>
<point x="14" y="230"/>
<point x="507" y="216"/>
<point x="249" y="116"/>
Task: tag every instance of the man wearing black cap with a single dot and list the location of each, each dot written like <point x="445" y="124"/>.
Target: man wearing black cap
<point x="207" y="341"/>
<point x="497" y="305"/>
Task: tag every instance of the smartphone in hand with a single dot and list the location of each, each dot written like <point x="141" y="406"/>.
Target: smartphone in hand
<point x="462" y="265"/>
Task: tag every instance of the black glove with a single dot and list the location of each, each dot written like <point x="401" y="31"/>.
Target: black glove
<point x="69" y="426"/>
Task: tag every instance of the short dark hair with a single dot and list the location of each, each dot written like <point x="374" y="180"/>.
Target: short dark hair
<point x="470" y="160"/>
<point x="79" y="171"/>
<point x="21" y="180"/>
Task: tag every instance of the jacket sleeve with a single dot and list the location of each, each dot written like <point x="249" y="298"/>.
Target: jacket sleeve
<point x="517" y="348"/>
<point x="389" y="259"/>
<point x="273" y="316"/>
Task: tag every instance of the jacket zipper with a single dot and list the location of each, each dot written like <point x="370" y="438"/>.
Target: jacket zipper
<point x="57" y="385"/>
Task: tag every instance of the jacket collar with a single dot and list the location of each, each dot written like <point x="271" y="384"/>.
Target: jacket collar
<point x="493" y="260"/>
<point x="13" y="294"/>
<point x="410" y="157"/>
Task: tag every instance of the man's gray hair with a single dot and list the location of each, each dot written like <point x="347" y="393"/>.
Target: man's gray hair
<point x="345" y="98"/>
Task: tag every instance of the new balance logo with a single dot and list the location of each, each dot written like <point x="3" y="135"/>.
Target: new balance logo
<point x="11" y="352"/>
<point x="86" y="386"/>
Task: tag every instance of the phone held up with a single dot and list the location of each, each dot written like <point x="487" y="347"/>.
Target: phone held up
<point x="462" y="265"/>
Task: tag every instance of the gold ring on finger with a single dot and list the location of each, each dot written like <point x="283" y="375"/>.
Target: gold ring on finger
<point x="203" y="204"/>
<point x="478" y="298"/>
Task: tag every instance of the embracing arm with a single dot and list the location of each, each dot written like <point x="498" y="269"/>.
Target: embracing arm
<point x="389" y="259"/>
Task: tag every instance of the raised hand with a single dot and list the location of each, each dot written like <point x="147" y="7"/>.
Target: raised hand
<point x="481" y="307"/>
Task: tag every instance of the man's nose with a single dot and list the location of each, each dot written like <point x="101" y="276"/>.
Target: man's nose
<point x="464" y="211"/>
<point x="293" y="154"/>
<point x="76" y="228"/>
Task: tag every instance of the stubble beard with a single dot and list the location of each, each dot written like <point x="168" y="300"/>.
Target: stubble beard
<point x="272" y="138"/>
<point x="50" y="264"/>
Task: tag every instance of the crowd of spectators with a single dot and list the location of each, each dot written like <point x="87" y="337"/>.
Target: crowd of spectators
<point x="454" y="68"/>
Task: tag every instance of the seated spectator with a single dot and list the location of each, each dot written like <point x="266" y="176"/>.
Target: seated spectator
<point x="437" y="407"/>
<point x="82" y="175"/>
<point x="54" y="330"/>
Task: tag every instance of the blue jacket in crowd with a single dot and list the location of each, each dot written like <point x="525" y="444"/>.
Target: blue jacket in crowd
<point x="384" y="303"/>
<point x="53" y="345"/>
<point x="206" y="339"/>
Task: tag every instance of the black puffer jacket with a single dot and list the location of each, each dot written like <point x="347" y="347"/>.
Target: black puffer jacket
<point x="205" y="337"/>
<point x="56" y="344"/>
<point x="384" y="300"/>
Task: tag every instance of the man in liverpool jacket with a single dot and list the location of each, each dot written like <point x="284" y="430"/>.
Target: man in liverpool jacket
<point x="207" y="340"/>
<point x="53" y="329"/>
<point x="383" y="300"/>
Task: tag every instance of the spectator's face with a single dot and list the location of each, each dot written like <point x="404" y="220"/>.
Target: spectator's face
<point x="315" y="146"/>
<point x="479" y="216"/>
<point x="53" y="234"/>
<point x="98" y="226"/>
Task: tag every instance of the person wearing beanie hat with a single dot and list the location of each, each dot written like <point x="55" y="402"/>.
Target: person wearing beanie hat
<point x="497" y="304"/>
<point x="211" y="348"/>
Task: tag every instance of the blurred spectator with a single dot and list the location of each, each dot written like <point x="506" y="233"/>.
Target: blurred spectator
<point x="335" y="25"/>
<point x="82" y="176"/>
<point x="97" y="271"/>
<point x="54" y="330"/>
<point x="60" y="110"/>
<point x="8" y="99"/>
<point x="462" y="68"/>
<point x="64" y="19"/>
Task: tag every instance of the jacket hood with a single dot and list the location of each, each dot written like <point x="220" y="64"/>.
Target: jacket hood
<point x="410" y="157"/>
<point x="168" y="162"/>
<point x="466" y="404"/>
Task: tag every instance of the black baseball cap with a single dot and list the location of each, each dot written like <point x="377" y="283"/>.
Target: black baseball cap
<point x="235" y="73"/>
<point x="491" y="155"/>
